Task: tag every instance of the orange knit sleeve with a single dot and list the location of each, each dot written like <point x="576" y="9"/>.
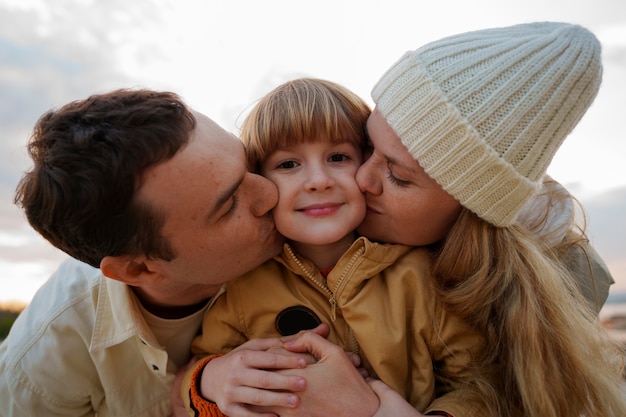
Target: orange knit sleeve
<point x="200" y="406"/>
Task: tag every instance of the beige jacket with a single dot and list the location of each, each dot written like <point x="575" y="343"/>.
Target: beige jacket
<point x="82" y="348"/>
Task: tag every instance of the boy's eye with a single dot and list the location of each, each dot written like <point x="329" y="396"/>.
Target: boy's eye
<point x="338" y="157"/>
<point x="287" y="165"/>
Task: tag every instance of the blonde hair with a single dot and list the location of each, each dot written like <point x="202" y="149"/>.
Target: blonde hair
<point x="303" y="110"/>
<point x="548" y="355"/>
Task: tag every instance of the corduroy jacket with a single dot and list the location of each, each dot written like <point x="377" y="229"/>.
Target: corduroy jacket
<point x="83" y="348"/>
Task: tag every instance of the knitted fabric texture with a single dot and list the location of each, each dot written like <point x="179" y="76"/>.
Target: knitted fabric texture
<point x="484" y="112"/>
<point x="199" y="406"/>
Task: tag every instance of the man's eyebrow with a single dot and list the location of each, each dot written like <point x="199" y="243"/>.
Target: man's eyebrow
<point x="224" y="197"/>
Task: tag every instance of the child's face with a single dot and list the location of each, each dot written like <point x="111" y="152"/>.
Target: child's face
<point x="319" y="201"/>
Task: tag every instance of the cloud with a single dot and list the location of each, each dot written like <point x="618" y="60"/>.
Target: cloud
<point x="607" y="222"/>
<point x="607" y="228"/>
<point x="221" y="56"/>
<point x="52" y="53"/>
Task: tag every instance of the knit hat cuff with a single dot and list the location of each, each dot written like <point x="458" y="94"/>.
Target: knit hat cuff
<point x="447" y="147"/>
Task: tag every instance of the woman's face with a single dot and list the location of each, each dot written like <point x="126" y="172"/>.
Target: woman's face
<point x="404" y="205"/>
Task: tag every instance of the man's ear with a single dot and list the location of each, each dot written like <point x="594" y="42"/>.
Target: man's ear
<point x="131" y="270"/>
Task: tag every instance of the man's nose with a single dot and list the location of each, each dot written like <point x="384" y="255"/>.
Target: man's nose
<point x="265" y="195"/>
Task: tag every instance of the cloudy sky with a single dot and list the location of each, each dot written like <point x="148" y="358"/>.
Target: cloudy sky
<point x="222" y="55"/>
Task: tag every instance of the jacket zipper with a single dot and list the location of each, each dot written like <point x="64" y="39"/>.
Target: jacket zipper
<point x="311" y="277"/>
<point x="331" y="294"/>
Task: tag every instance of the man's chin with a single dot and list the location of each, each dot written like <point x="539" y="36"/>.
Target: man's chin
<point x="275" y="242"/>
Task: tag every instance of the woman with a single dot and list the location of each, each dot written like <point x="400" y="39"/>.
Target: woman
<point x="462" y="134"/>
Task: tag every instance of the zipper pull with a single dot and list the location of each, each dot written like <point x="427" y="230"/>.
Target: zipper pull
<point x="333" y="308"/>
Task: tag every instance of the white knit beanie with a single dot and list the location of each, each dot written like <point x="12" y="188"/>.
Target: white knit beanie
<point x="484" y="112"/>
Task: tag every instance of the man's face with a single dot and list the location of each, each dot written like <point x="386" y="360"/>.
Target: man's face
<point x="217" y="214"/>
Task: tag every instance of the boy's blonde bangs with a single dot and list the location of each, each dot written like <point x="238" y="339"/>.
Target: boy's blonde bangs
<point x="301" y="111"/>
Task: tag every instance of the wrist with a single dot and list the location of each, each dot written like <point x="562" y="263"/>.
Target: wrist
<point x="206" y="378"/>
<point x="199" y="402"/>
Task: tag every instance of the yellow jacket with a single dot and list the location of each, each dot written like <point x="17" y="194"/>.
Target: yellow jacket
<point x="379" y="303"/>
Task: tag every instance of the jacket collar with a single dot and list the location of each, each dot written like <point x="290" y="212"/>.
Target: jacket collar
<point x="374" y="257"/>
<point x="118" y="316"/>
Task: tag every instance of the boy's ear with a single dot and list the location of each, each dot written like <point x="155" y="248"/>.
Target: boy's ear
<point x="134" y="271"/>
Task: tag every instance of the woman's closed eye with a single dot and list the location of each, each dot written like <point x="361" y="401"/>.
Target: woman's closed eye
<point x="397" y="181"/>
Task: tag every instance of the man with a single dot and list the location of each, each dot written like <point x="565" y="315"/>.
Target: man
<point x="157" y="197"/>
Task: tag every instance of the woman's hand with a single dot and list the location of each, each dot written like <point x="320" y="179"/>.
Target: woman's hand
<point x="392" y="404"/>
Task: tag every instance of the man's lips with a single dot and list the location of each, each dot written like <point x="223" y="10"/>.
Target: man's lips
<point x="318" y="210"/>
<point x="372" y="210"/>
